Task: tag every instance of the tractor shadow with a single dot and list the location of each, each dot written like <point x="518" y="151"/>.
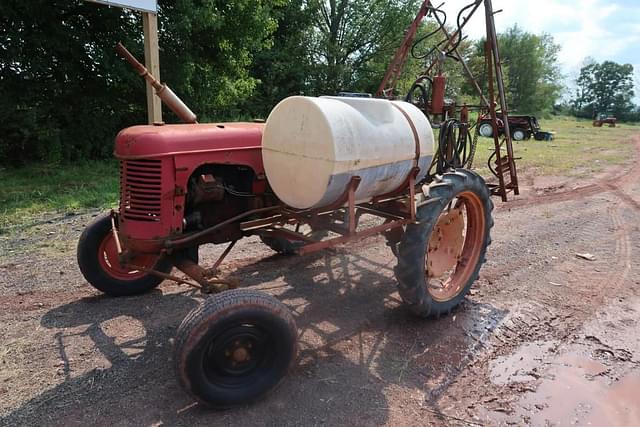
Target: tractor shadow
<point x="357" y="343"/>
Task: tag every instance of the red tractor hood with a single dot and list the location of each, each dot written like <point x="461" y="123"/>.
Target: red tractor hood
<point x="165" y="140"/>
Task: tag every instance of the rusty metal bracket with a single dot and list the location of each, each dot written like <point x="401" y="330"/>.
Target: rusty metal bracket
<point x="114" y="230"/>
<point x="181" y="242"/>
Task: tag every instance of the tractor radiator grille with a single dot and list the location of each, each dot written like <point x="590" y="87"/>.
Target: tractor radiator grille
<point x="141" y="189"/>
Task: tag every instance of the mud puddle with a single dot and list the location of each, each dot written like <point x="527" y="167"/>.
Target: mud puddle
<point x="577" y="391"/>
<point x="592" y="380"/>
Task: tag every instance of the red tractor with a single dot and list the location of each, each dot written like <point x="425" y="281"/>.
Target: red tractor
<point x="521" y="127"/>
<point x="604" y="119"/>
<point x="187" y="185"/>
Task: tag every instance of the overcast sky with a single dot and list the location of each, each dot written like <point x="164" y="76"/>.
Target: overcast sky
<point x="596" y="28"/>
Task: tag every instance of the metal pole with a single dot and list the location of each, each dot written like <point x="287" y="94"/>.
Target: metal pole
<point x="152" y="62"/>
<point x="492" y="38"/>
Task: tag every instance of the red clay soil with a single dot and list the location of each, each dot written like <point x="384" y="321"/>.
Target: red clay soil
<point x="544" y="338"/>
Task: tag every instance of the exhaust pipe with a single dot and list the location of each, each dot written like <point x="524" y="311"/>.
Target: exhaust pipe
<point x="163" y="91"/>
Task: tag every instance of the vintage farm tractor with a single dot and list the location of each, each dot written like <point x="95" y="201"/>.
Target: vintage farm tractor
<point x="319" y="164"/>
<point x="320" y="172"/>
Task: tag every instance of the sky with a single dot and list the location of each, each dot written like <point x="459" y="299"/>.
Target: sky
<point x="603" y="30"/>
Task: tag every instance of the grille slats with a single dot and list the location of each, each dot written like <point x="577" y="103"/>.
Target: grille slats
<point x="141" y="189"/>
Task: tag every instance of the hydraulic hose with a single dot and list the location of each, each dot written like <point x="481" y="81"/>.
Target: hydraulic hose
<point x="454" y="150"/>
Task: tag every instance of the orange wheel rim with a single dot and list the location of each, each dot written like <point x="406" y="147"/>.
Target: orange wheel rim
<point x="110" y="263"/>
<point x="455" y="247"/>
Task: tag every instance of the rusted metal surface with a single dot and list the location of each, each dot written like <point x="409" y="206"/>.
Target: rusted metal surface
<point x="441" y="110"/>
<point x="166" y="276"/>
<point x="114" y="230"/>
<point x="223" y="255"/>
<point x="388" y="84"/>
<point x="192" y="238"/>
<point x="416" y="137"/>
<point x="313" y="247"/>
<point x="202" y="276"/>
<point x="445" y="244"/>
<point x="452" y="279"/>
<point x="465" y="66"/>
<point x="492" y="38"/>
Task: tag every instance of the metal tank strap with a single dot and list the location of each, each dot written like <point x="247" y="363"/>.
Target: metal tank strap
<point x="416" y="138"/>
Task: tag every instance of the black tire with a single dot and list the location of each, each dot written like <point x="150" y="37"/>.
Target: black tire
<point x="253" y="323"/>
<point x="520" y="134"/>
<point x="485" y="129"/>
<point x="113" y="282"/>
<point x="411" y="270"/>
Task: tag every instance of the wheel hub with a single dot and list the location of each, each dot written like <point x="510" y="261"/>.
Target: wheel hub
<point x="236" y="353"/>
<point x="446" y="243"/>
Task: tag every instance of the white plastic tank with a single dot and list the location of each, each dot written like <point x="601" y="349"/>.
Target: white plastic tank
<point x="312" y="147"/>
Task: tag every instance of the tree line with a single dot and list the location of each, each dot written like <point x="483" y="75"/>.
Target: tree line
<point x="66" y="93"/>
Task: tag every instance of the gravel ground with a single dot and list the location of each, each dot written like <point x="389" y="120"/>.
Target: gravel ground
<point x="545" y="337"/>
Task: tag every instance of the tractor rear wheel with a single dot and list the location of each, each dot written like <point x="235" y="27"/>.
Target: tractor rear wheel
<point x="235" y="347"/>
<point x="439" y="257"/>
<point x="485" y="129"/>
<point x="98" y="261"/>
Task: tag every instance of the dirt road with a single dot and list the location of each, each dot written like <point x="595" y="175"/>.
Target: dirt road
<point x="544" y="338"/>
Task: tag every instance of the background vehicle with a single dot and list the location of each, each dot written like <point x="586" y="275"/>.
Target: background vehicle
<point x="602" y="119"/>
<point x="521" y="127"/>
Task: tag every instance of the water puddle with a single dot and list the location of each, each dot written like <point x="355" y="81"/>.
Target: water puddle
<point x="523" y="365"/>
<point x="576" y="391"/>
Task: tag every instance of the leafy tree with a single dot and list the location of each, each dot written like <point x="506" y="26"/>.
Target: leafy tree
<point x="529" y="62"/>
<point x="351" y="37"/>
<point x="207" y="50"/>
<point x="533" y="71"/>
<point x="284" y="69"/>
<point x="66" y="93"/>
<point x="605" y="87"/>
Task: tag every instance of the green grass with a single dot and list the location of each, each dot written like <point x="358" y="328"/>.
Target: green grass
<point x="29" y="194"/>
<point x="578" y="150"/>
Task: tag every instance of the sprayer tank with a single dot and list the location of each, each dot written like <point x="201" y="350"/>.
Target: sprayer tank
<point x="312" y="147"/>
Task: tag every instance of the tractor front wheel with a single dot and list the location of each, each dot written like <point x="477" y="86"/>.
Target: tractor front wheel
<point x="519" y="134"/>
<point x="99" y="263"/>
<point x="439" y="257"/>
<point x="235" y="347"/>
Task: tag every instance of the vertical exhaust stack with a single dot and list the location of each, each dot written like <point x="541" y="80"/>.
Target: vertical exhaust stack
<point x="168" y="97"/>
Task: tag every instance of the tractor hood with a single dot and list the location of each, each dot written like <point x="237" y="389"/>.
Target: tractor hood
<point x="165" y="140"/>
